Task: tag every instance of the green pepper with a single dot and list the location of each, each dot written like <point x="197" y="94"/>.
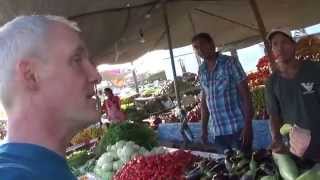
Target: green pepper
<point x="287" y="167"/>
<point x="311" y="174"/>
<point x="285" y="129"/>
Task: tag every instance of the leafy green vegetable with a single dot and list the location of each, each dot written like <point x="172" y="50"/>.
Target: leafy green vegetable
<point x="138" y="133"/>
<point x="78" y="158"/>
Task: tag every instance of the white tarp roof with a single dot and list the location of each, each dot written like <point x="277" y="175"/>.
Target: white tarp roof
<point x="113" y="28"/>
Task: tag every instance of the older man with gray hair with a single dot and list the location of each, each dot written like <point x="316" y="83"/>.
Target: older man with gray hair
<point x="47" y="88"/>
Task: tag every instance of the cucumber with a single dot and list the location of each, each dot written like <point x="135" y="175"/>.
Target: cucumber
<point x="287" y="167"/>
<point x="269" y="178"/>
<point x="311" y="174"/>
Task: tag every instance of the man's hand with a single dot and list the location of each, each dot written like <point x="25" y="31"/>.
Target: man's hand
<point x="299" y="140"/>
<point x="204" y="136"/>
<point x="277" y="146"/>
<point x="247" y="136"/>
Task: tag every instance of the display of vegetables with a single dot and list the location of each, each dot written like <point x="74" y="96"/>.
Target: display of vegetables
<point x="78" y="158"/>
<point x="195" y="114"/>
<point x="168" y="87"/>
<point x="117" y="155"/>
<point x="80" y="162"/>
<point x="86" y="135"/>
<point x="236" y="165"/>
<point x="287" y="167"/>
<point x="169" y="166"/>
<point x="259" y="103"/>
<point x="311" y="174"/>
<point x="285" y="129"/>
<point x="138" y="133"/>
<point x="169" y="117"/>
<point x="135" y="115"/>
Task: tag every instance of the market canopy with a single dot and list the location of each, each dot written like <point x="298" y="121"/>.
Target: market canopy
<point x="119" y="31"/>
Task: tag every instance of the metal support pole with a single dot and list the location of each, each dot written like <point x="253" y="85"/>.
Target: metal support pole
<point x="166" y="23"/>
<point x="194" y="33"/>
<point x="234" y="53"/>
<point x="135" y="78"/>
<point x="262" y="31"/>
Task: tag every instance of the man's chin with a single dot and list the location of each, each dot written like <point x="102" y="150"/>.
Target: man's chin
<point x="91" y="118"/>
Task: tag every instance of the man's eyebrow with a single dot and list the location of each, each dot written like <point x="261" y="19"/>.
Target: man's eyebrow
<point x="78" y="50"/>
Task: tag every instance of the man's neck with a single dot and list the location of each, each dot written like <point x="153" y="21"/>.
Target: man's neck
<point x="36" y="130"/>
<point x="211" y="61"/>
<point x="289" y="70"/>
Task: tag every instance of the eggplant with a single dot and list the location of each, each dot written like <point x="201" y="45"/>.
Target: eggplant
<point x="247" y="176"/>
<point x="220" y="177"/>
<point x="261" y="155"/>
<point x="195" y="174"/>
<point x="269" y="169"/>
<point x="219" y="168"/>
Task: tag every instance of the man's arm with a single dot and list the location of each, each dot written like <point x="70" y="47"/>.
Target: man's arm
<point x="275" y="124"/>
<point x="275" y="121"/>
<point x="248" y="112"/>
<point x="204" y="118"/>
<point x="239" y="77"/>
<point x="246" y="101"/>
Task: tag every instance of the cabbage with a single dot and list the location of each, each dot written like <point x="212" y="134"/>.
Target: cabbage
<point x="128" y="150"/>
<point x="117" y="165"/>
<point x="107" y="167"/>
<point x="158" y="150"/>
<point x="107" y="175"/>
<point x="113" y="155"/>
<point x="125" y="158"/>
<point x="120" y="144"/>
<point x="118" y="154"/>
<point x="104" y="158"/>
<point x="142" y="150"/>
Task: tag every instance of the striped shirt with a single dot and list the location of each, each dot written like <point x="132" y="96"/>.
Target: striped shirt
<point x="222" y="95"/>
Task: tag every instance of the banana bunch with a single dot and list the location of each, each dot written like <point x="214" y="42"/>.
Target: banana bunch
<point x="86" y="135"/>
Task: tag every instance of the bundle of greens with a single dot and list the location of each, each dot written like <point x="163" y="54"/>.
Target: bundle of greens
<point x="140" y="134"/>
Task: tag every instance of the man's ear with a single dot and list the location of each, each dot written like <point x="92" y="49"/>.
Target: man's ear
<point x="27" y="74"/>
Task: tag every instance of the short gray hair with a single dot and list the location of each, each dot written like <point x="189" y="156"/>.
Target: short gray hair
<point x="22" y="37"/>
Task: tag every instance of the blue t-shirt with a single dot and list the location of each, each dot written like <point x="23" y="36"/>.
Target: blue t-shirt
<point x="32" y="162"/>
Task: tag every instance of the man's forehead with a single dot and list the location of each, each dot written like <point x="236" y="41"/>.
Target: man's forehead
<point x="281" y="36"/>
<point x="80" y="49"/>
<point x="64" y="36"/>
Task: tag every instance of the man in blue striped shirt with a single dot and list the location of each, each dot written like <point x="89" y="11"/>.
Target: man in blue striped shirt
<point x="226" y="107"/>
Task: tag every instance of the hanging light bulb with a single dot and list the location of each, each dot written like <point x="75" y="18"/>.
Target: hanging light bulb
<point x="147" y="16"/>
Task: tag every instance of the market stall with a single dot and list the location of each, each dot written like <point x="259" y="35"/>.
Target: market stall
<point x="131" y="151"/>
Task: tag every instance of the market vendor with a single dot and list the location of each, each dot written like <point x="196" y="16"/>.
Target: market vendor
<point x="112" y="107"/>
<point x="293" y="96"/>
<point x="226" y="107"/>
<point x="47" y="87"/>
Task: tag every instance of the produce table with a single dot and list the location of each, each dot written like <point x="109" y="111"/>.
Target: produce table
<point x="200" y="153"/>
<point x="170" y="132"/>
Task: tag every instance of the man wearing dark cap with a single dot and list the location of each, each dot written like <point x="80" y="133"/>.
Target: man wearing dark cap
<point x="293" y="96"/>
